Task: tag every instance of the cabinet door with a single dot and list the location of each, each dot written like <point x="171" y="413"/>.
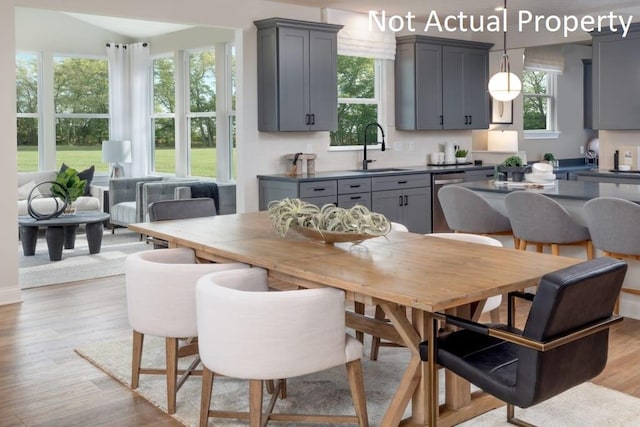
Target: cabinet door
<point x="349" y="200"/>
<point x="323" y="81"/>
<point x="476" y="78"/>
<point x="389" y="203"/>
<point x="293" y="79"/>
<point x="428" y="75"/>
<point x="587" y="94"/>
<point x="416" y="214"/>
<point x="453" y="98"/>
<point x="616" y="92"/>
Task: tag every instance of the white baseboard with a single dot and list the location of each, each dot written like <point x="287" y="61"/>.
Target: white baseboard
<point x="10" y="296"/>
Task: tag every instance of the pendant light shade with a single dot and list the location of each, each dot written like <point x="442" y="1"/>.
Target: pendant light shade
<point x="504" y="85"/>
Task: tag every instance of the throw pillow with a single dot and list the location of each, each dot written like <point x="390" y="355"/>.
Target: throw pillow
<point x="86" y="174"/>
<point x="25" y="189"/>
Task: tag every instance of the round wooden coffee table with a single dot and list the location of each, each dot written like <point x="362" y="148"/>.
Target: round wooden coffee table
<point x="61" y="231"/>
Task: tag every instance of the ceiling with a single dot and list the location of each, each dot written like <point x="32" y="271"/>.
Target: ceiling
<point x="133" y="28"/>
<point x="421" y="8"/>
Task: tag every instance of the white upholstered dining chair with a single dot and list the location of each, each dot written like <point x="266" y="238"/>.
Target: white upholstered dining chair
<point x="161" y="302"/>
<point x="247" y="332"/>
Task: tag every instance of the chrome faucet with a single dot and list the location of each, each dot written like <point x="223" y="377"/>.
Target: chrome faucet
<point x="365" y="162"/>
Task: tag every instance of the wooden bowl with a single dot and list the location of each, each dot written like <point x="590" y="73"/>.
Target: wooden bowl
<point x="331" y="236"/>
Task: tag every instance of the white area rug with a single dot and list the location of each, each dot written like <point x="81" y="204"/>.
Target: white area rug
<point x="77" y="264"/>
<point x="328" y="392"/>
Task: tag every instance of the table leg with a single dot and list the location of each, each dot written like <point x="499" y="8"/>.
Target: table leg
<point x="29" y="238"/>
<point x="55" y="241"/>
<point x="434" y="390"/>
<point x="94" y="236"/>
<point x="70" y="232"/>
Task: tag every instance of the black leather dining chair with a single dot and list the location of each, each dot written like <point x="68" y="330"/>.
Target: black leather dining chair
<point x="564" y="342"/>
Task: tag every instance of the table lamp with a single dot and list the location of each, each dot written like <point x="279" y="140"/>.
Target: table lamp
<point x="502" y="140"/>
<point x="115" y="153"/>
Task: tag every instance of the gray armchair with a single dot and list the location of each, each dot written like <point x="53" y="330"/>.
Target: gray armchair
<point x="123" y="197"/>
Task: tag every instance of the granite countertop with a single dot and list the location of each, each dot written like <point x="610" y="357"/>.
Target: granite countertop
<point x="577" y="190"/>
<point x="401" y="170"/>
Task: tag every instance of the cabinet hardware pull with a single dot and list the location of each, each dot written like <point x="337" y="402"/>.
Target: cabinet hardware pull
<point x="470" y="120"/>
<point x="358" y="185"/>
<point x="400" y="201"/>
<point x="406" y="200"/>
<point x="319" y="189"/>
<point x="402" y="182"/>
<point x="313" y="119"/>
<point x="441" y="120"/>
<point x="307" y="119"/>
<point x="356" y="197"/>
<point x="466" y="120"/>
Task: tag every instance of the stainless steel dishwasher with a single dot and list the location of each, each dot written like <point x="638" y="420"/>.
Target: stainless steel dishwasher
<point x="438" y="180"/>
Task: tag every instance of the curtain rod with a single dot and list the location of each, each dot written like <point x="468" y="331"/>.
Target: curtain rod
<point x="124" y="46"/>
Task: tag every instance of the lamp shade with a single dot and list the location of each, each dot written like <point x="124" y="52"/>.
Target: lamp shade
<point x="505" y="86"/>
<point x="502" y="140"/>
<point x="116" y="151"/>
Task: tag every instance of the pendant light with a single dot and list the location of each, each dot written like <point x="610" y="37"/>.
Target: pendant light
<point x="505" y="86"/>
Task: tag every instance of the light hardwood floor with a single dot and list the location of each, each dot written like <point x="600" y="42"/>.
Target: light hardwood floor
<point x="44" y="383"/>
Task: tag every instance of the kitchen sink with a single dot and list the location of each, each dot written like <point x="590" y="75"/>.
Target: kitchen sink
<point x="379" y="170"/>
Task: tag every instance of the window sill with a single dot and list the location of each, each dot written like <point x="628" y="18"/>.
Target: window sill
<point x="541" y="134"/>
<point x="354" y="147"/>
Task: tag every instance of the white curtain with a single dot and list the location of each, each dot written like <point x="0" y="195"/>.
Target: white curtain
<point x="129" y="102"/>
<point x="357" y="39"/>
<point x="544" y="58"/>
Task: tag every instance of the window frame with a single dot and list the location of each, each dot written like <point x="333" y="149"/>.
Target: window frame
<point x="162" y="115"/>
<point x="551" y="131"/>
<point x="378" y="90"/>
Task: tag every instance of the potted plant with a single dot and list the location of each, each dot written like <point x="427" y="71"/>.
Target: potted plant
<point x="461" y="155"/>
<point x="550" y="158"/>
<point x="71" y="184"/>
<point x="513" y="167"/>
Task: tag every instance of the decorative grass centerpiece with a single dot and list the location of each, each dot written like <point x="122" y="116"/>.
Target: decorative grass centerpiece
<point x="329" y="224"/>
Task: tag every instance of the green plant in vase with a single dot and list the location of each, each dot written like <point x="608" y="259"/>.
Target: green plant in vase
<point x="71" y="183"/>
<point x="461" y="155"/>
<point x="514" y="168"/>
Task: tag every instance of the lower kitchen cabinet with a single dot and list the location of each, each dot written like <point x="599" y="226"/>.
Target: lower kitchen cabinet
<point x="405" y="199"/>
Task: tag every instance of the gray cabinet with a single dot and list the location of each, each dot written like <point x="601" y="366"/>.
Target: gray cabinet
<point x="405" y="199"/>
<point x="587" y="94"/>
<point x="441" y="84"/>
<point x="341" y="192"/>
<point x="616" y="92"/>
<point x="297" y="75"/>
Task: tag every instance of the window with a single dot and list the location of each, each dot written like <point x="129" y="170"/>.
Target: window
<point x="358" y="100"/>
<point x="205" y="125"/>
<point x="163" y="116"/>
<point x="202" y="112"/>
<point x="27" y="108"/>
<point x="539" y="104"/>
<point x="81" y="102"/>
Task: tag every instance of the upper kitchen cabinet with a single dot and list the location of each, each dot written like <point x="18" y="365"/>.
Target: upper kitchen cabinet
<point x="616" y="80"/>
<point x="297" y="75"/>
<point x="441" y="84"/>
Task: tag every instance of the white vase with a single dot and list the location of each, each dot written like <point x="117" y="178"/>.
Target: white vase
<point x="461" y="160"/>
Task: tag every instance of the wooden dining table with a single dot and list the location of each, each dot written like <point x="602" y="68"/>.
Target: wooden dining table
<point x="424" y="273"/>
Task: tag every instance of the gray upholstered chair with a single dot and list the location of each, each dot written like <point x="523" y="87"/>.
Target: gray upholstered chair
<point x="124" y="196"/>
<point x="467" y="212"/>
<point x="247" y="332"/>
<point x="179" y="209"/>
<point x="614" y="225"/>
<point x="161" y="302"/>
<point x="564" y="343"/>
<point x="540" y="220"/>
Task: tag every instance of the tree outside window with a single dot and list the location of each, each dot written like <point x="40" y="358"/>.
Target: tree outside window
<point x="27" y="71"/>
<point x="202" y="112"/>
<point x="538" y="100"/>
<point x="163" y="116"/>
<point x="358" y="103"/>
